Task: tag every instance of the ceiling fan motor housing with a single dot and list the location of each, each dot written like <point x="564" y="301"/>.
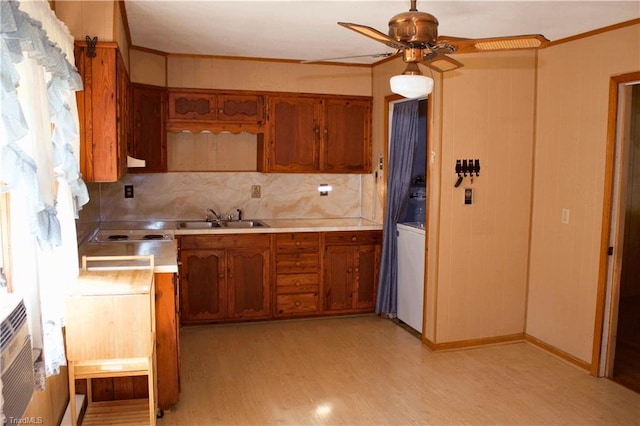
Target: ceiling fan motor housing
<point x="418" y="29"/>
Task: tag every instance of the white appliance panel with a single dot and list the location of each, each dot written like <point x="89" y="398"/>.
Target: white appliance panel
<point x="411" y="250"/>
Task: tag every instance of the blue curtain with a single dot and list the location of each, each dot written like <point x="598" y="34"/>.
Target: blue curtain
<point x="402" y="147"/>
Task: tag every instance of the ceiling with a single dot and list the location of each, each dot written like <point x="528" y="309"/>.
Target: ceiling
<point x="306" y="29"/>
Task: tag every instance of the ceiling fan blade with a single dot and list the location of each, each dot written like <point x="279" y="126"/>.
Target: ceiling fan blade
<point x="374" y="55"/>
<point x="441" y="62"/>
<point x="491" y="44"/>
<point x="375" y="34"/>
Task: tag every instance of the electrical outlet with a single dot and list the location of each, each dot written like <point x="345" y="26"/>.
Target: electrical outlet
<point x="255" y="191"/>
<point x="128" y="191"/>
<point x="565" y="216"/>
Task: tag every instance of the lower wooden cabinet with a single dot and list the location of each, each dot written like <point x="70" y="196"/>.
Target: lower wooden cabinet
<point x="228" y="277"/>
<point x="297" y="274"/>
<point x="224" y="277"/>
<point x="351" y="264"/>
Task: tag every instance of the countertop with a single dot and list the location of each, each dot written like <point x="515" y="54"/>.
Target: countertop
<point x="165" y="252"/>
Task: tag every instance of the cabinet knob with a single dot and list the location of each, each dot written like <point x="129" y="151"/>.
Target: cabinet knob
<point x="297" y="303"/>
<point x="297" y="283"/>
<point x="297" y="263"/>
<point x="221" y="275"/>
<point x="354" y="238"/>
<point x="298" y="243"/>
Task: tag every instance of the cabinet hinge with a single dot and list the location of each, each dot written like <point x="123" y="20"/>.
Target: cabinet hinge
<point x="610" y="251"/>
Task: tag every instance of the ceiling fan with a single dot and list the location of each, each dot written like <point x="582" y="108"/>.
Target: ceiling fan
<point x="414" y="35"/>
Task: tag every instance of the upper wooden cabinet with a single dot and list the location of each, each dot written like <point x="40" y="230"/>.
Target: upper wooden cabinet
<point x="317" y="133"/>
<point x="347" y="136"/>
<point x="104" y="109"/>
<point x="293" y="139"/>
<point x="213" y="110"/>
<point x="149" y="141"/>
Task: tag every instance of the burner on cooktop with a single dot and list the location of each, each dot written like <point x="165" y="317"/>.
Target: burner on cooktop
<point x="153" y="237"/>
<point x="117" y="237"/>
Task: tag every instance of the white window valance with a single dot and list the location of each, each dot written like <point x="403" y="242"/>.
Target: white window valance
<point x="24" y="37"/>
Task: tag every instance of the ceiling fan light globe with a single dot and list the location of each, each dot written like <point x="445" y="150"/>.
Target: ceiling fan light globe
<point x="411" y="86"/>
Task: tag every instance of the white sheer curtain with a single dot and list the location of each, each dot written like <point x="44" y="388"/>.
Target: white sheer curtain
<point x="39" y="129"/>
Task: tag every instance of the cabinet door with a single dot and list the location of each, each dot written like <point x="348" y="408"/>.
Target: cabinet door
<point x="103" y="114"/>
<point x="204" y="289"/>
<point x="366" y="261"/>
<point x="294" y="134"/>
<point x="347" y="142"/>
<point x="149" y="127"/>
<point x="192" y="106"/>
<point x="240" y="108"/>
<point x="338" y="278"/>
<point x="247" y="277"/>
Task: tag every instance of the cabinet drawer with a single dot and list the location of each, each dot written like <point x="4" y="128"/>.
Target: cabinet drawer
<point x="297" y="283"/>
<point x="297" y="263"/>
<point x="357" y="237"/>
<point x="291" y="304"/>
<point x="224" y="241"/>
<point x="297" y="242"/>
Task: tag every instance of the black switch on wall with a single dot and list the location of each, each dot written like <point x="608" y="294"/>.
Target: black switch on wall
<point x="468" y="196"/>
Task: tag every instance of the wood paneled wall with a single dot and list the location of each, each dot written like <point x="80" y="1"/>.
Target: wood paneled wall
<point x="571" y="135"/>
<point x="47" y="407"/>
<point x="148" y="67"/>
<point x="219" y="73"/>
<point x="487" y="114"/>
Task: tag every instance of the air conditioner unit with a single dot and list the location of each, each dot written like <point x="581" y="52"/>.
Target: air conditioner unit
<point x="16" y="359"/>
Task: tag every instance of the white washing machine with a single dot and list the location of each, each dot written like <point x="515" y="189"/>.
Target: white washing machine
<point x="411" y="246"/>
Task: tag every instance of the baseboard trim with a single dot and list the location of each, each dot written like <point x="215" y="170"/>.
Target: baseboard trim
<point x="501" y="340"/>
<point x="473" y="343"/>
<point x="559" y="353"/>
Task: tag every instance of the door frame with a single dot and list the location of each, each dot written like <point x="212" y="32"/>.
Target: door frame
<point x="389" y="100"/>
<point x="612" y="226"/>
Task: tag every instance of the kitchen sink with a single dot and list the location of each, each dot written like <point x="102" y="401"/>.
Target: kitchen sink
<point x="198" y="224"/>
<point x="203" y="224"/>
<point x="244" y="224"/>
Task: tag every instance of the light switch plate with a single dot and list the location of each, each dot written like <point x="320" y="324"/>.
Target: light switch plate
<point x="468" y="196"/>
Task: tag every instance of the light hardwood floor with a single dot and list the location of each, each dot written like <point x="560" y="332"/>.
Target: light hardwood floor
<point x="369" y="371"/>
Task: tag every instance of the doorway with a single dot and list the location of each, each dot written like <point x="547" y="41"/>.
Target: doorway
<point x="621" y="333"/>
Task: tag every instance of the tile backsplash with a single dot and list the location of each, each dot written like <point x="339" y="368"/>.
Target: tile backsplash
<point x="171" y="196"/>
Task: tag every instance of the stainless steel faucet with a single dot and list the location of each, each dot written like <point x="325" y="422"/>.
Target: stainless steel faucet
<point x="215" y="217"/>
